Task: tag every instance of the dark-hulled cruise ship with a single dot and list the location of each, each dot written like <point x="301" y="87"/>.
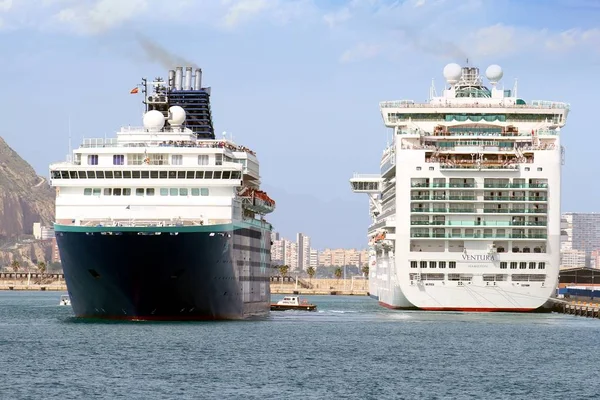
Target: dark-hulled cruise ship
<point x="165" y="221"/>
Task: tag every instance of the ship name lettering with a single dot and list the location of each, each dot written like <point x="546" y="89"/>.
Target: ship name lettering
<point x="478" y="257"/>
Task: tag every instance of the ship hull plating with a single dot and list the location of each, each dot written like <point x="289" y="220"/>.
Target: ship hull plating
<point x="166" y="273"/>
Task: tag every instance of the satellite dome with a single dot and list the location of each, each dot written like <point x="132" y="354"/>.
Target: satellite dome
<point x="176" y="116"/>
<point x="154" y="120"/>
<point x="494" y="73"/>
<point x="452" y="73"/>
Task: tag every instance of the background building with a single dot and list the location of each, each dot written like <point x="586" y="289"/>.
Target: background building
<point x="299" y="255"/>
<point x="303" y="246"/>
<point x="580" y="237"/>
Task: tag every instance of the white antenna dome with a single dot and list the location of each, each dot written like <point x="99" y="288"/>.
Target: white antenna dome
<point x="154" y="120"/>
<point x="176" y="116"/>
<point x="452" y="73"/>
<point x="494" y="73"/>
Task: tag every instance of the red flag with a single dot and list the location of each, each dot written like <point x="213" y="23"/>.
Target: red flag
<point x="135" y="90"/>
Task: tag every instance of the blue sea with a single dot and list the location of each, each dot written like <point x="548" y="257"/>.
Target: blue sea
<point x="350" y="349"/>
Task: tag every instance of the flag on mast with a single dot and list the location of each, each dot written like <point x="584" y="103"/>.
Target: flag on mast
<point x="135" y="90"/>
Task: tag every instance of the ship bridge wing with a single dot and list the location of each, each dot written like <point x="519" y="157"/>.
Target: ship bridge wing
<point x="366" y="183"/>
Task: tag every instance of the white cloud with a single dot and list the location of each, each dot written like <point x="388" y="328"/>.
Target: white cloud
<point x="443" y="28"/>
<point x="502" y="40"/>
<point x="100" y="16"/>
<point x="243" y="10"/>
<point x="280" y="12"/>
<point x="362" y="51"/>
<point x="334" y="18"/>
<point x="5" y="5"/>
<point x="422" y="27"/>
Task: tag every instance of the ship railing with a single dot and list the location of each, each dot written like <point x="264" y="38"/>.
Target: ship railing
<point x="366" y="176"/>
<point x="199" y="143"/>
<point x="481" y="146"/>
<point x="124" y="222"/>
<point x="536" y="104"/>
<point x="479" y="166"/>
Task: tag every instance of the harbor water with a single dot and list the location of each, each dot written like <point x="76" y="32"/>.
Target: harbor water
<point x="349" y="349"/>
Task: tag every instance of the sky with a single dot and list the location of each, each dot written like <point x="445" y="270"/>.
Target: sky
<point x="298" y="81"/>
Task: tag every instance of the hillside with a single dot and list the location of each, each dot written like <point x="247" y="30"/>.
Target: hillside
<point x="25" y="197"/>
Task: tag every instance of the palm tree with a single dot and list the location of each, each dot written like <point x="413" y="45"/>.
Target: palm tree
<point x="338" y="273"/>
<point x="15" y="266"/>
<point x="283" y="270"/>
<point x="311" y="272"/>
<point x="365" y="270"/>
<point x="41" y="266"/>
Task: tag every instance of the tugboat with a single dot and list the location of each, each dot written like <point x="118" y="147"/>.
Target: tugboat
<point x="293" y="303"/>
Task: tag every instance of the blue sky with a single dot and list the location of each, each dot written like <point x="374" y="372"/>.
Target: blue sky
<point x="299" y="81"/>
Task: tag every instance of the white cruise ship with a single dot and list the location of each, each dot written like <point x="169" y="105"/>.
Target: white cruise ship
<point x="466" y="208"/>
<point x="164" y="221"/>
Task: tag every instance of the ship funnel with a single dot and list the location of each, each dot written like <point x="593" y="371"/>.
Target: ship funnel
<point x="188" y="79"/>
<point x="198" y="79"/>
<point x="178" y="76"/>
<point x="171" y="82"/>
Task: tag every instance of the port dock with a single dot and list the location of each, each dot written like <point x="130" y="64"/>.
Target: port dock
<point x="579" y="308"/>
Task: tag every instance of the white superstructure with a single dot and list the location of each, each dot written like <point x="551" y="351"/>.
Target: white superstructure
<point x="161" y="173"/>
<point x="466" y="208"/>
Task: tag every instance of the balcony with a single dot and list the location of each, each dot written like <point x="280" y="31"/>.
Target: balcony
<point x="493" y="223"/>
<point x="496" y="167"/>
<point x="423" y="235"/>
<point x="529" y="185"/>
<point x="442" y="185"/>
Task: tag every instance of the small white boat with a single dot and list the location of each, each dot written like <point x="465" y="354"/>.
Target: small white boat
<point x="64" y="300"/>
<point x="292" y="303"/>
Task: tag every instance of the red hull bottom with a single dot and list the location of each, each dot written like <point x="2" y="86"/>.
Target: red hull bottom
<point x="460" y="309"/>
<point x="174" y="318"/>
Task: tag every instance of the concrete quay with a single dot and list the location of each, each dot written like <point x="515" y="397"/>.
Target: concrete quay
<point x="288" y="286"/>
<point x="291" y="289"/>
<point x="61" y="287"/>
<point x="349" y="287"/>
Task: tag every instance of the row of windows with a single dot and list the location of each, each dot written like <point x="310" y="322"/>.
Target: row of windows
<point x="486" y="277"/>
<point x="526" y="168"/>
<point x="144" y="174"/>
<point x="432" y="264"/>
<point x="522" y="265"/>
<point x="176" y="159"/>
<point x="145" y="191"/>
<point x="452" y="264"/>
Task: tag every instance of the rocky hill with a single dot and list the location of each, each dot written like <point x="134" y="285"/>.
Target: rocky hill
<point x="25" y="197"/>
<point x="27" y="254"/>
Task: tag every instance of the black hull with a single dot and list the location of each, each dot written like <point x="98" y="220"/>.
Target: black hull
<point x="177" y="274"/>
